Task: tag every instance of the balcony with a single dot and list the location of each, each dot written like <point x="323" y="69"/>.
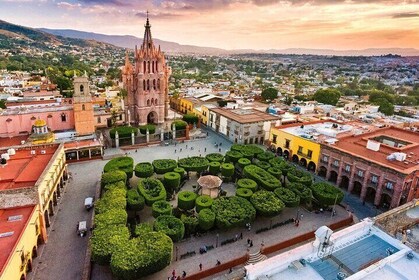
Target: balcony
<point x="25" y="261"/>
<point x="247" y="133"/>
<point x="303" y="155"/>
<point x="286" y="146"/>
<point x="260" y="131"/>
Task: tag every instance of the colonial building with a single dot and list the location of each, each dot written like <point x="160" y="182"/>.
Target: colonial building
<point x="146" y="83"/>
<point x="83" y="107"/>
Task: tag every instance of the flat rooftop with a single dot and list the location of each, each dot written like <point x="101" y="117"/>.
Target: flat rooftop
<point x="245" y="115"/>
<point x="24" y="168"/>
<point x="12" y="230"/>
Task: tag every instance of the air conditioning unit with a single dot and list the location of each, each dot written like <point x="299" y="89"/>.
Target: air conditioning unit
<point x="33" y="152"/>
<point x="373" y="145"/>
<point x="11" y="152"/>
<point x="43" y="152"/>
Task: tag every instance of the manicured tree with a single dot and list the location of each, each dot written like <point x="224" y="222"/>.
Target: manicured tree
<point x="249" y="150"/>
<point x="298" y="176"/>
<point x="190" y="118"/>
<point x="142" y="256"/>
<point x="266" y="203"/>
<point x="247" y="154"/>
<point x="151" y="129"/>
<point x="152" y="190"/>
<point x="245" y="193"/>
<point x="233" y="156"/>
<point x="144" y="170"/>
<point x="262" y="177"/>
<point x="276" y="161"/>
<point x="171" y="181"/>
<point x="288" y="197"/>
<point x="179" y="124"/>
<point x="190" y="222"/>
<point x="194" y="164"/>
<point x="327" y="194"/>
<point x="206" y="219"/>
<point x="125" y="164"/>
<point x="246" y="183"/>
<point x="118" y="185"/>
<point x="134" y="200"/>
<point x="186" y="200"/>
<point x="114" y="198"/>
<point x="303" y="192"/>
<point x="111" y="217"/>
<point x="113" y="177"/>
<point x="105" y="240"/>
<point x="161" y="207"/>
<point x="171" y="226"/>
<point x="162" y="166"/>
<point x="180" y="171"/>
<point x="265" y="156"/>
<point x="215" y="157"/>
<point x="214" y="167"/>
<point x="232" y="212"/>
<point x="203" y="202"/>
<point x="263" y="164"/>
<point x="227" y="170"/>
<point x="285" y="168"/>
<point x="244" y="162"/>
<point x="275" y="171"/>
<point x="123" y="131"/>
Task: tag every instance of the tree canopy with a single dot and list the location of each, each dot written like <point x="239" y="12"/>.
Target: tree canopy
<point x="269" y="94"/>
<point x="327" y="96"/>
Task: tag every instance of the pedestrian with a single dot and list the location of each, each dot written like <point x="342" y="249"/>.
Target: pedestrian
<point x="297" y="223"/>
<point x="186" y="146"/>
<point x="200" y="266"/>
<point x="180" y="149"/>
<point x="183" y="274"/>
<point x="205" y="149"/>
<point x="136" y="150"/>
<point x="175" y="151"/>
<point x="219" y="150"/>
<point x="230" y="270"/>
<point x="200" y="155"/>
<point x="251" y="243"/>
<point x="174" y="273"/>
<point x="301" y="216"/>
<point x="241" y="235"/>
<point x="248" y="241"/>
<point x="218" y="262"/>
<point x="220" y="144"/>
<point x="236" y="237"/>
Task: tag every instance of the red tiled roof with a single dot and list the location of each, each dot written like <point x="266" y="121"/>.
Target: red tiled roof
<point x="12" y="141"/>
<point x="8" y="244"/>
<point x="81" y="144"/>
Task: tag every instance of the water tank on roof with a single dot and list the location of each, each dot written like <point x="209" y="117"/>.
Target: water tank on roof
<point x="11" y="152"/>
<point x="5" y="156"/>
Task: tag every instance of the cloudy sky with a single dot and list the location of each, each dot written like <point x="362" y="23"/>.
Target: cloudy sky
<point x="234" y="24"/>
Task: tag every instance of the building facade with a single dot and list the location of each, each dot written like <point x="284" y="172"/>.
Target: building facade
<point x="83" y="107"/>
<point x="146" y="82"/>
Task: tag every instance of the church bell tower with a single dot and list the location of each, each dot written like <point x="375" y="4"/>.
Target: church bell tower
<point x="83" y="106"/>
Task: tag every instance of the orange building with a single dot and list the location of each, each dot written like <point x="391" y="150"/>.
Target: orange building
<point x="83" y="107"/>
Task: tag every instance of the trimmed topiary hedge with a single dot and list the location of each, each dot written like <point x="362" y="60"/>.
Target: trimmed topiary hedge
<point x="142" y="256"/>
<point x="180" y="171"/>
<point x="302" y="191"/>
<point x="162" y="166"/>
<point x="232" y="212"/>
<point x="179" y="124"/>
<point x="276" y="161"/>
<point x="203" y="202"/>
<point x="186" y="200"/>
<point x="113" y="198"/>
<point x="111" y="217"/>
<point x="285" y="168"/>
<point x="197" y="164"/>
<point x="297" y="176"/>
<point x="215" y="157"/>
<point x="249" y="151"/>
<point x="190" y="222"/>
<point x="327" y="194"/>
<point x="275" y="171"/>
<point x="171" y="181"/>
<point x="106" y="240"/>
<point x="227" y="169"/>
<point x="171" y="226"/>
<point x="266" y="203"/>
<point x="245" y="193"/>
<point x="263" y="164"/>
<point x="118" y="185"/>
<point x="152" y="190"/>
<point x="247" y="184"/>
<point x="233" y="156"/>
<point x="161" y="207"/>
<point x="262" y="177"/>
<point x="134" y="200"/>
<point x="265" y="156"/>
<point x="190" y="118"/>
<point x="206" y="219"/>
<point x="244" y="162"/>
<point x="288" y="197"/>
<point x="125" y="164"/>
<point x="214" y="167"/>
<point x="144" y="170"/>
<point x="151" y="129"/>
<point x="112" y="177"/>
<point x="123" y="131"/>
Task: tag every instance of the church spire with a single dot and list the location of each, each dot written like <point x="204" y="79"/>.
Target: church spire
<point x="148" y="41"/>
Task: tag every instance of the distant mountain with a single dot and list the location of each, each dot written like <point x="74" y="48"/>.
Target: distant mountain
<point x="129" y="42"/>
<point x="364" y="52"/>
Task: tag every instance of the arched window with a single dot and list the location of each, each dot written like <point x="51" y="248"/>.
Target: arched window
<point x="155" y="101"/>
<point x="81" y="89"/>
<point x="152" y="67"/>
<point x="83" y="107"/>
<point x="144" y="84"/>
<point x="144" y="64"/>
<point x="158" y="83"/>
<point x="148" y="102"/>
<point x="157" y="69"/>
<point x="154" y="84"/>
<point x="148" y="66"/>
<point x="148" y="84"/>
<point x="63" y="117"/>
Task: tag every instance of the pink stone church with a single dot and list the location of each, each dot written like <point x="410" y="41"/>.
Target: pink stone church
<point x="146" y="82"/>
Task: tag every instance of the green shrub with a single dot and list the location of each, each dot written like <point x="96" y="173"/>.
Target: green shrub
<point x="142" y="229"/>
<point x="227" y="170"/>
<point x="125" y="164"/>
<point x="152" y="190"/>
<point x="206" y="219"/>
<point x="142" y="256"/>
<point x="302" y="191"/>
<point x="123" y="131"/>
<point x="249" y="151"/>
<point x="144" y="170"/>
<point x="215" y="157"/>
<point x="134" y="200"/>
<point x="275" y="162"/>
<point x="244" y="162"/>
<point x="262" y="177"/>
<point x="263" y="164"/>
<point x="275" y="171"/>
<point x="288" y="197"/>
<point x="247" y="184"/>
<point x="214" y="167"/>
<point x="297" y="176"/>
<point x="233" y="156"/>
<point x="197" y="164"/>
<point x="180" y="171"/>
<point x="203" y="202"/>
<point x="171" y="181"/>
<point x="151" y="129"/>
<point x="245" y="193"/>
<point x="162" y="166"/>
<point x="327" y="194"/>
<point x="113" y="198"/>
<point x="232" y="212"/>
<point x="161" y="207"/>
<point x="266" y="203"/>
<point x="190" y="118"/>
<point x="179" y="124"/>
<point x="190" y="222"/>
<point x="111" y="217"/>
<point x="285" y="168"/>
<point x="186" y="200"/>
<point x="265" y="156"/>
<point x="106" y="240"/>
<point x="113" y="177"/>
<point x="117" y="185"/>
<point x="171" y="226"/>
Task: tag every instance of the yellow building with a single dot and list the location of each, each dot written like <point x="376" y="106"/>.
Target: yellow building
<point x="187" y="105"/>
